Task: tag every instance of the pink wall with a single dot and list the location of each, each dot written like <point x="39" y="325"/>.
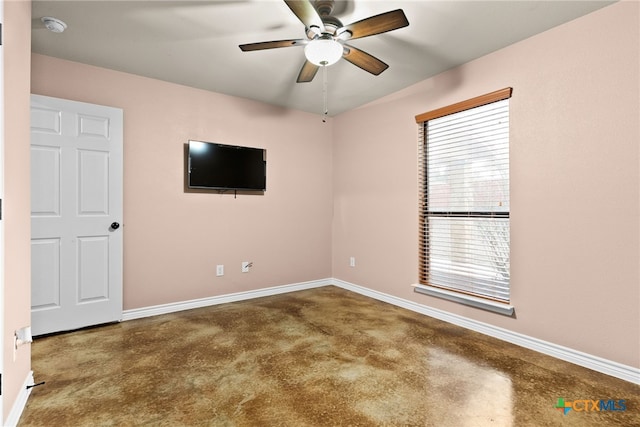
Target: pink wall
<point x="16" y="39"/>
<point x="575" y="127"/>
<point x="173" y="239"/>
<point x="575" y="185"/>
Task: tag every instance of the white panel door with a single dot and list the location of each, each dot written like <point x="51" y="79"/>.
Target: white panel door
<point x="76" y="213"/>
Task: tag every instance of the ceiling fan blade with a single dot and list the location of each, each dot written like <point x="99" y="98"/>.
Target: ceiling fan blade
<point x="365" y="61"/>
<point x="377" y="24"/>
<point x="272" y="44"/>
<point x="306" y="13"/>
<point x="307" y="72"/>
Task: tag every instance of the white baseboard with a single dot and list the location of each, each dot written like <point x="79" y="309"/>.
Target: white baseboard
<point x="155" y="310"/>
<point x="608" y="367"/>
<point x="20" y="403"/>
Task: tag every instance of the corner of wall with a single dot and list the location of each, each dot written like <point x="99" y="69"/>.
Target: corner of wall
<point x="16" y="204"/>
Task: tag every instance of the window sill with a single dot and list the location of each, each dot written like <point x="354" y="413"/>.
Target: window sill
<point x="494" y="306"/>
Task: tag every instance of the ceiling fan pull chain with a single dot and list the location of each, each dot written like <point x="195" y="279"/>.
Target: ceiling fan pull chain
<point x="325" y="108"/>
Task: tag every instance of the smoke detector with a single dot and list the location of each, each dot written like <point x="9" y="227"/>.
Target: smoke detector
<point x="54" y="24"/>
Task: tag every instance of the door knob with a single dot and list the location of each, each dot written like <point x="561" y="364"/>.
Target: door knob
<point x="115" y="225"/>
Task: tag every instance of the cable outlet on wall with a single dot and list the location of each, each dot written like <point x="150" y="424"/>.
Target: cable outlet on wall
<point x="352" y="261"/>
<point x="246" y="265"/>
<point x="219" y="270"/>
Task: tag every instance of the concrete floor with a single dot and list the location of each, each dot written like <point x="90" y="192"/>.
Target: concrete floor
<point x="320" y="357"/>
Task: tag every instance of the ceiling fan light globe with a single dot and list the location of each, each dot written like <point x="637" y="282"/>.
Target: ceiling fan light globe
<point x="323" y="51"/>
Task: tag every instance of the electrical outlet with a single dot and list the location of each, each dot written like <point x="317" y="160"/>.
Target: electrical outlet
<point x="219" y="270"/>
<point x="352" y="261"/>
<point x="246" y="265"/>
<point x="23" y="335"/>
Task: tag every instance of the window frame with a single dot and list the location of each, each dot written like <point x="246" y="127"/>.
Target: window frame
<point x="481" y="301"/>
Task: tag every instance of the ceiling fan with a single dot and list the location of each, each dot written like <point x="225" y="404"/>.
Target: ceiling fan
<point x="327" y="37"/>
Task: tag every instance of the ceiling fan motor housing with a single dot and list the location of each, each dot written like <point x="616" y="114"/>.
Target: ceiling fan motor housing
<point x="331" y="25"/>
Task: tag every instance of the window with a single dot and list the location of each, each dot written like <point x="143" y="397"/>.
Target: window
<point x="464" y="199"/>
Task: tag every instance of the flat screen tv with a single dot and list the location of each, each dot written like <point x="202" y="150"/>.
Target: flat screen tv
<point x="226" y="167"/>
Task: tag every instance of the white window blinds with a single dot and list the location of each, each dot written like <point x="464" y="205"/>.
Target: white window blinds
<point x="465" y="205"/>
